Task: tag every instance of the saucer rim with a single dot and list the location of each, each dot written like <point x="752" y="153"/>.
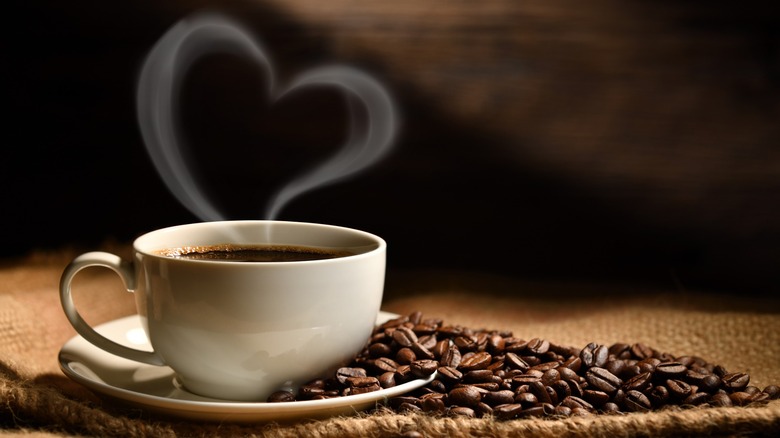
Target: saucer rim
<point x="221" y="410"/>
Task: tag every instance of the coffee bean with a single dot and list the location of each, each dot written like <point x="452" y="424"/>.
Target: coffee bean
<point x="281" y="397"/>
<point x="465" y="343"/>
<point x="526" y="399"/>
<point x="343" y="373"/>
<point x="538" y="346"/>
<point x="387" y="379"/>
<point x="514" y="361"/>
<point x="492" y="373"/>
<point x="637" y="402"/>
<point x="696" y="398"/>
<point x="404" y="336"/>
<point x="451" y="357"/>
<point x="678" y="388"/>
<point x="475" y="361"/>
<point x="603" y="380"/>
<point x="507" y="411"/>
<point x="550" y="376"/>
<point x="422" y="352"/>
<point x="641" y="351"/>
<point x="423" y="368"/>
<point x="449" y="375"/>
<point x="464" y="396"/>
<point x="671" y="370"/>
<point x="720" y="399"/>
<point x="405" y="356"/>
<point x="735" y="381"/>
<point x="595" y="397"/>
<point x="494" y="398"/>
<point x="640" y="382"/>
<point x="594" y="355"/>
<point x="379" y="350"/>
<point x="496" y="344"/>
<point x="773" y="391"/>
<point x="385" y="364"/>
<point x="659" y="395"/>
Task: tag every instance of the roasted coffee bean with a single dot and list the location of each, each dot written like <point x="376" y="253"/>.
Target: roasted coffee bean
<point x="648" y="364"/>
<point x="423" y="368"/>
<point x="507" y="411"/>
<point x="385" y="364"/>
<point x="461" y="411"/>
<point x="492" y="373"/>
<point x="466" y="395"/>
<point x="562" y="389"/>
<point x="696" y="398"/>
<point x="343" y="373"/>
<point x="773" y="391"/>
<point x="615" y="366"/>
<point x="538" y="346"/>
<point x="422" y="352"/>
<point x="670" y="370"/>
<point x="449" y="375"/>
<point x="404" y="336"/>
<point x="740" y="398"/>
<point x="478" y="376"/>
<point x="551" y="376"/>
<point x="515" y="362"/>
<point x="594" y="355"/>
<point x="659" y="395"/>
<point x="637" y="402"/>
<point x="475" y="361"/>
<point x="610" y="408"/>
<point x="281" y="397"/>
<point x="438" y="386"/>
<point x="603" y="380"/>
<point x="387" y="379"/>
<point x="710" y="384"/>
<point x="433" y="404"/>
<point x="465" y="343"/>
<point x="495" y="398"/>
<point x="574" y="402"/>
<point x="405" y="356"/>
<point x="736" y="381"/>
<point x="720" y="399"/>
<point x="379" y="350"/>
<point x="620" y="350"/>
<point x="403" y="373"/>
<point x="594" y="397"/>
<point x="440" y="348"/>
<point x="496" y="344"/>
<point x="540" y="391"/>
<point x="640" y="382"/>
<point x="574" y="363"/>
<point x="641" y="351"/>
<point x="451" y="357"/>
<point x="678" y="388"/>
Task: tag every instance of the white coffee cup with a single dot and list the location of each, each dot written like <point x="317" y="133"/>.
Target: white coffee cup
<point x="241" y="330"/>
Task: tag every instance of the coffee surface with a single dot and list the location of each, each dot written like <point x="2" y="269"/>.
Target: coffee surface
<point x="256" y="253"/>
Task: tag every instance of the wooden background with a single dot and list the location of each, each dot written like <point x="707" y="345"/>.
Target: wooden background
<point x="608" y="140"/>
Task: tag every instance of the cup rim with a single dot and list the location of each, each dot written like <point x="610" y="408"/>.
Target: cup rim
<point x="377" y="243"/>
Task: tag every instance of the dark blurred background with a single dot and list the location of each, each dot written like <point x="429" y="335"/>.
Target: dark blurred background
<point x="609" y="141"/>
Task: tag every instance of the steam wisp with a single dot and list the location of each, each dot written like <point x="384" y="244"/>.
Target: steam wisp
<point x="373" y="116"/>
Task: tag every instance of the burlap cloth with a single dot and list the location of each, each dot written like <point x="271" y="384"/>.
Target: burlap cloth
<point x="741" y="333"/>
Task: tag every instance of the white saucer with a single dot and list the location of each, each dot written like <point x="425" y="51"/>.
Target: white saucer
<point x="153" y="388"/>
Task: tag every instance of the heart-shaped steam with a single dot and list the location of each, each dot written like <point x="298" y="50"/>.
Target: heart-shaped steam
<point x="371" y="135"/>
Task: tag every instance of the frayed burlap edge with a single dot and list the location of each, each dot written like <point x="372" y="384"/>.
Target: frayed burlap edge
<point x="35" y="407"/>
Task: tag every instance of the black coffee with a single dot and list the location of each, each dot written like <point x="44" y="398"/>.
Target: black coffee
<point x="265" y="253"/>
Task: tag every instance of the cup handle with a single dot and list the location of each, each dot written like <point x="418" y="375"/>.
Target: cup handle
<point x="125" y="271"/>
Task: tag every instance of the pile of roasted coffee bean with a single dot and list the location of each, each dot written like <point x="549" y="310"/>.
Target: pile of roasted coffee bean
<point x="489" y="372"/>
